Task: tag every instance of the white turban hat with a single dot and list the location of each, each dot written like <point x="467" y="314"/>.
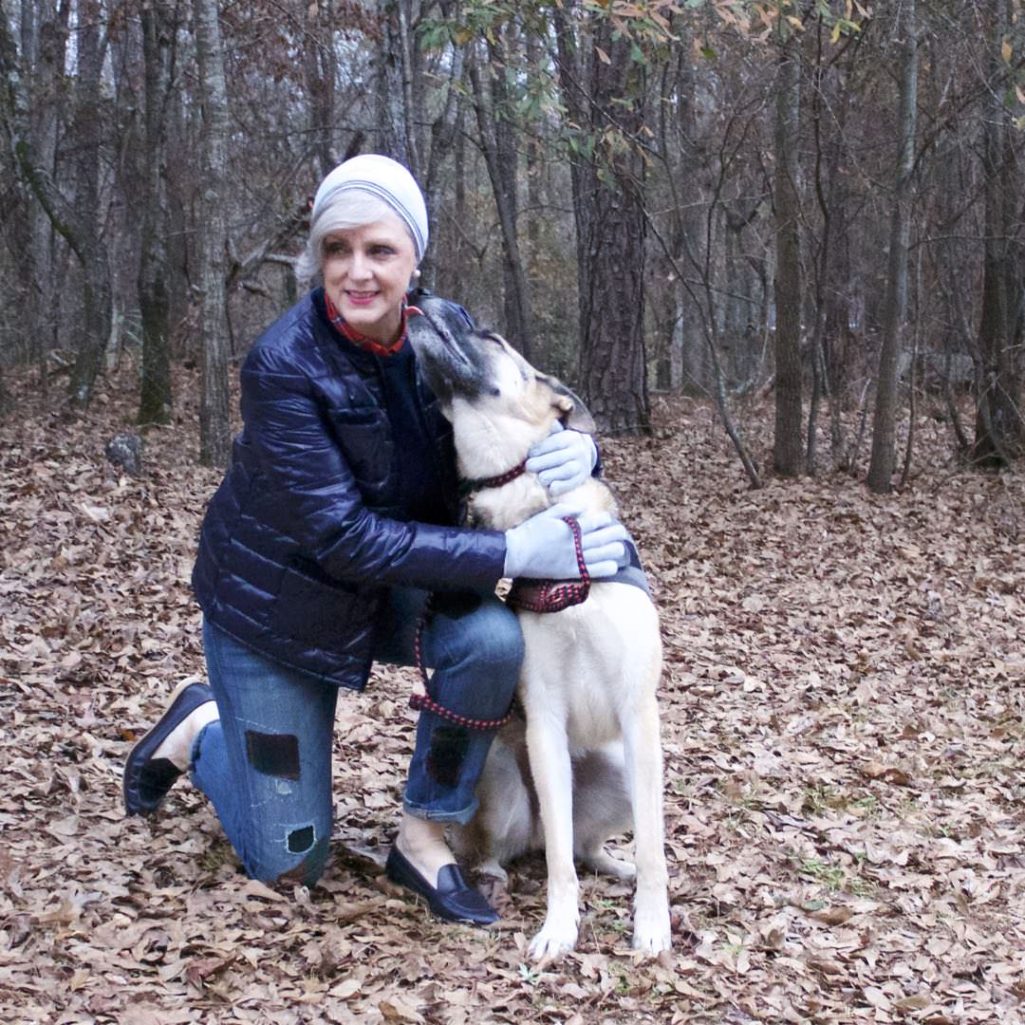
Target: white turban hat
<point x="388" y="180"/>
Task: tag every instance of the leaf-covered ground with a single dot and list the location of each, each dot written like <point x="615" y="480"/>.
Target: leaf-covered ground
<point x="845" y="755"/>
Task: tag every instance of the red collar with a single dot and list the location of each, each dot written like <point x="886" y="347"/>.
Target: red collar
<point x="472" y="486"/>
<point x="364" y="341"/>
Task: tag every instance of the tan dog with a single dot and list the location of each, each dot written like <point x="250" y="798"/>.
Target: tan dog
<point x="590" y="672"/>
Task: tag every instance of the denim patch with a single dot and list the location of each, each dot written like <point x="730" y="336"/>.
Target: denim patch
<point x="301" y="840"/>
<point x="445" y="757"/>
<point x="273" y="754"/>
<point x="455" y="604"/>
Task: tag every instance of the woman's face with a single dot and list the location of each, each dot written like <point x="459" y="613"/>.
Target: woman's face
<point x="367" y="271"/>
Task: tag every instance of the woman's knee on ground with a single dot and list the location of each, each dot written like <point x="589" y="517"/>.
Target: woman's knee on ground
<point x="289" y="832"/>
<point x="295" y="853"/>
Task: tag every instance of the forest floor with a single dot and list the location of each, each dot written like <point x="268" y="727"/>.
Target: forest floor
<point x="842" y="711"/>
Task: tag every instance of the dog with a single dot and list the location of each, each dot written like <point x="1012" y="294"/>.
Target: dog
<point x="590" y="672"/>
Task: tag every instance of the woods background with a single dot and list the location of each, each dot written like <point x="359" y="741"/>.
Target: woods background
<point x="821" y="200"/>
<point x="765" y="240"/>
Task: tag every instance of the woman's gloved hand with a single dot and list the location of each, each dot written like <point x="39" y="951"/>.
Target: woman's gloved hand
<point x="563" y="460"/>
<point x="542" y="547"/>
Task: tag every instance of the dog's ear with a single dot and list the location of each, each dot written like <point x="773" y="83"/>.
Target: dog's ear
<point x="573" y="413"/>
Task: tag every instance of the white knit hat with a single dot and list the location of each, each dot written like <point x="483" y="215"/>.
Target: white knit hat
<point x="388" y="180"/>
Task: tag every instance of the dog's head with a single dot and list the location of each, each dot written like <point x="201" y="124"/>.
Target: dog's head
<point x="482" y="371"/>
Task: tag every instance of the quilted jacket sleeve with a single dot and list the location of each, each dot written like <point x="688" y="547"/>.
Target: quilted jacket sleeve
<point x="317" y="501"/>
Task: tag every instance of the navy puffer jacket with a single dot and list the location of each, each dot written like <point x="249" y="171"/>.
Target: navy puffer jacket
<point x="306" y="533"/>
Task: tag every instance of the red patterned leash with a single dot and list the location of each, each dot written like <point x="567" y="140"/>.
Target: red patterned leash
<point x="428" y="704"/>
<point x="553" y="595"/>
<point x="528" y="594"/>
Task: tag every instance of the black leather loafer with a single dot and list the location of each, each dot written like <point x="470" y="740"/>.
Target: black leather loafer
<point x="147" y="779"/>
<point x="453" y="899"/>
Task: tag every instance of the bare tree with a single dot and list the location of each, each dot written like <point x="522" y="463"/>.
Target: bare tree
<point x="159" y="26"/>
<point x="999" y="420"/>
<point x="830" y="98"/>
<point x="44" y="36"/>
<point x="400" y="89"/>
<point x="76" y="220"/>
<point x="319" y="67"/>
<point x="788" y="448"/>
<point x="883" y="460"/>
<point x="492" y="103"/>
<point x="603" y="90"/>
<point x="91" y="248"/>
<point x="212" y="236"/>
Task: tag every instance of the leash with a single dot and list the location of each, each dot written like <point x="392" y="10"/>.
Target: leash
<point x="424" y="702"/>
<point x="526" y="594"/>
<point x="553" y="595"/>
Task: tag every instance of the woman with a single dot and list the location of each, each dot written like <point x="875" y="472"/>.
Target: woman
<point x="317" y="553"/>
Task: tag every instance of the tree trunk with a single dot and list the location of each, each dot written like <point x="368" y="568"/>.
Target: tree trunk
<point x="883" y="460"/>
<point x="77" y="222"/>
<point x="212" y="237"/>
<point x="319" y="61"/>
<point x="43" y="45"/>
<point x="155" y="397"/>
<point x="999" y="423"/>
<point x="788" y="448"/>
<point x="828" y="117"/>
<point x="399" y="91"/>
<point x="608" y="206"/>
<point x="87" y="132"/>
<point x="498" y="141"/>
<point x="690" y="363"/>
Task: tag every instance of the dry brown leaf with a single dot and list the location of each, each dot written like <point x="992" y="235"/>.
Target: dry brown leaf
<point x="841" y="719"/>
<point x="396" y="1009"/>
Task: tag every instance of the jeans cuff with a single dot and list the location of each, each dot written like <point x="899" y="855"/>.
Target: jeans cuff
<point x="460" y="818"/>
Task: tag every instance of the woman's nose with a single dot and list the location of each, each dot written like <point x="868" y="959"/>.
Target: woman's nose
<point x="359" y="267"/>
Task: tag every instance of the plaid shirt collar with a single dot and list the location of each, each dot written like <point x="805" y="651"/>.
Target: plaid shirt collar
<point x="363" y="341"/>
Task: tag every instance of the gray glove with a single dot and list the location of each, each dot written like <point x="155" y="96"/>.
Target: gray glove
<point x="542" y="547"/>
<point x="563" y="460"/>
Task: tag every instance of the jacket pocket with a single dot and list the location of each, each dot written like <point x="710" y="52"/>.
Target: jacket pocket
<point x="318" y="614"/>
<point x="356" y="417"/>
<point x="364" y="437"/>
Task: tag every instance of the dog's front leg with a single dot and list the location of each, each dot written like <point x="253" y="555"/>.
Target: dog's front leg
<point x="652" y="932"/>
<point x="548" y="747"/>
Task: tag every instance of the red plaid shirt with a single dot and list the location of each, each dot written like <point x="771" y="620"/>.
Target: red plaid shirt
<point x="364" y="341"/>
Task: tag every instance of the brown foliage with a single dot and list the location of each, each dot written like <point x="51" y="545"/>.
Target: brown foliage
<point x="842" y="722"/>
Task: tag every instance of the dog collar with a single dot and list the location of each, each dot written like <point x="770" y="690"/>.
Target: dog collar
<point x="471" y="487"/>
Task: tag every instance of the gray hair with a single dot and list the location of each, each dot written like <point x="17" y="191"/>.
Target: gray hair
<point x="351" y="208"/>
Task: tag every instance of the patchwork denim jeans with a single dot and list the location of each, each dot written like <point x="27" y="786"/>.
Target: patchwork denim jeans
<point x="266" y="763"/>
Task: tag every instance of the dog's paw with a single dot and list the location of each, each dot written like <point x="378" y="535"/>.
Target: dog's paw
<point x="492" y="871"/>
<point x="651" y="945"/>
<point x="652" y="930"/>
<point x="493" y="881"/>
<point x="605" y="864"/>
<point x="555" y="939"/>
